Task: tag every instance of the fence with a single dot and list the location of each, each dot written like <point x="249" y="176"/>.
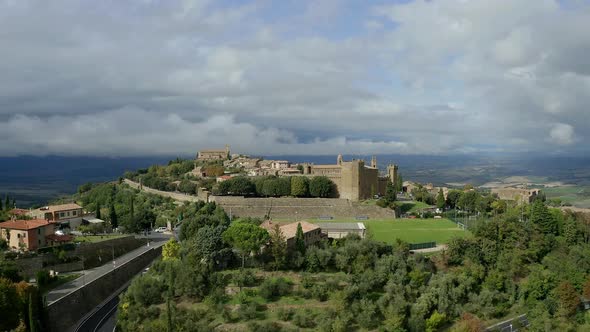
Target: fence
<point x="424" y="245"/>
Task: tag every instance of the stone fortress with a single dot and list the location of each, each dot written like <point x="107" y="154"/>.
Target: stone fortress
<point x="354" y="180"/>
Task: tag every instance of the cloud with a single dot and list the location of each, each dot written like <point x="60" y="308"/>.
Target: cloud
<point x="562" y="134"/>
<point x="129" y="78"/>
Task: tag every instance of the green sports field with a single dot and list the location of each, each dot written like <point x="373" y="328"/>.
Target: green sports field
<point x="411" y="230"/>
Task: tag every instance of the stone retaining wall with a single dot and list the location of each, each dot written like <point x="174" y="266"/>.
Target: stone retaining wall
<point x="64" y="313"/>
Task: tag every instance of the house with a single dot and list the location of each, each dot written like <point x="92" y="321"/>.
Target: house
<point x="338" y="230"/>
<point x="66" y="215"/>
<point x="311" y="232"/>
<point x="27" y="234"/>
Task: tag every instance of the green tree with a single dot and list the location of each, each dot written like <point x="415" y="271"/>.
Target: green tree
<point x="453" y="197"/>
<point x="98" y="210"/>
<point x="299" y="239"/>
<point x="541" y="217"/>
<point x="321" y="186"/>
<point x="171" y="250"/>
<point x="246" y="238"/>
<point x="113" y="216"/>
<point x="278" y="246"/>
<point x="399" y="183"/>
<point x="299" y="186"/>
<point x="390" y="193"/>
<point x="9" y="305"/>
<point x="435" y="321"/>
<point x="237" y="186"/>
<point x="440" y="199"/>
<point x="468" y="201"/>
<point x="6" y="203"/>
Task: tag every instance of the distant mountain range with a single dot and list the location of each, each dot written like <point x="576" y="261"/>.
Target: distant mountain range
<point x="37" y="180"/>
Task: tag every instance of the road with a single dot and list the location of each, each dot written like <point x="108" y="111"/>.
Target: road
<point x="156" y="240"/>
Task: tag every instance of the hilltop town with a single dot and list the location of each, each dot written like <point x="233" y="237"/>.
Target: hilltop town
<point x="247" y="216"/>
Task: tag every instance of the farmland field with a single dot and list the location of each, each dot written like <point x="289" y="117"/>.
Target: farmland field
<point x="410" y="230"/>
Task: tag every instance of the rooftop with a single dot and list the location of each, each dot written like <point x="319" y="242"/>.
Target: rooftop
<point x="24" y="225"/>
<point x="290" y="230"/>
<point x="61" y="207"/>
<point x="341" y="225"/>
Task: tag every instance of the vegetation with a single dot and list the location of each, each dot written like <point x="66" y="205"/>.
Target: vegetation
<point x="507" y="266"/>
<point x="272" y="186"/>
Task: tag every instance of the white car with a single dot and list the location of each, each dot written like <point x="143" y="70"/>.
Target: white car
<point x="161" y="229"/>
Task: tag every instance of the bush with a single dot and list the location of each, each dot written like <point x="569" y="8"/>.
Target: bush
<point x="284" y="314"/>
<point x="247" y="311"/>
<point x="264" y="327"/>
<point x="43" y="278"/>
<point x="319" y="292"/>
<point x="304" y="318"/>
<point x="275" y="287"/>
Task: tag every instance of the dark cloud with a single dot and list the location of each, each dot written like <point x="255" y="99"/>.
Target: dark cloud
<point x="153" y="77"/>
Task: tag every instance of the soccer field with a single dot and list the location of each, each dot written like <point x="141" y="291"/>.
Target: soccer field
<point x="411" y="230"/>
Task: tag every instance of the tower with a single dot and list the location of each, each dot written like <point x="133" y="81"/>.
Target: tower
<point x="339" y="160"/>
<point x="392" y="173"/>
<point x="374" y="161"/>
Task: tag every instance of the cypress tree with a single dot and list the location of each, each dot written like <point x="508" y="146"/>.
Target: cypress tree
<point x="390" y="195"/>
<point x="299" y="240"/>
<point x="440" y="199"/>
<point x="1" y="207"/>
<point x="7" y="203"/>
<point x="113" y="216"/>
<point x="98" y="210"/>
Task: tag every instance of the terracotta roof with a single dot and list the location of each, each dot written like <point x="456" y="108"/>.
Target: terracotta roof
<point x="59" y="238"/>
<point x="290" y="230"/>
<point x="24" y="224"/>
<point x="18" y="212"/>
<point x="61" y="207"/>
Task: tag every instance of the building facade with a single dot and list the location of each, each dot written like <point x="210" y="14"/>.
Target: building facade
<point x="211" y="155"/>
<point x="338" y="230"/>
<point x="66" y="215"/>
<point x="354" y="180"/>
<point x="311" y="233"/>
<point x="27" y="234"/>
<point x="517" y="194"/>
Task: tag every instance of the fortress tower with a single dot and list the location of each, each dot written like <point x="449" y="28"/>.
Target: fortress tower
<point x="374" y="161"/>
<point x="392" y="172"/>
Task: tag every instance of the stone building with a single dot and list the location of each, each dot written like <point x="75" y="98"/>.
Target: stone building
<point x="338" y="230"/>
<point x="522" y="195"/>
<point x="311" y="232"/>
<point x="354" y="180"/>
<point x="210" y="155"/>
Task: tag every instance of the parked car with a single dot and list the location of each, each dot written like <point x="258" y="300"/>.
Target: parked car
<point x="161" y="229"/>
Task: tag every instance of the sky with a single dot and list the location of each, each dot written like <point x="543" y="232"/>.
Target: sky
<point x="147" y="77"/>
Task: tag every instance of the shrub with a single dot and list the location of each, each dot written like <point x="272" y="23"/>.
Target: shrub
<point x="274" y="287"/>
<point x="304" y="318"/>
<point x="247" y="311"/>
<point x="284" y="314"/>
<point x="264" y="327"/>
<point x="43" y="278"/>
<point x="319" y="292"/>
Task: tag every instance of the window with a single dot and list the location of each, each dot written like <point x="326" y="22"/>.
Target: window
<point x="39" y="231"/>
<point x="68" y="213"/>
<point x="61" y="214"/>
<point x="74" y="213"/>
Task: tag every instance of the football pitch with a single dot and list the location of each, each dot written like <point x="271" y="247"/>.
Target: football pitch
<point x="410" y="230"/>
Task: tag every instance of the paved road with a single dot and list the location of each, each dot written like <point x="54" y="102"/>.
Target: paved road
<point x="156" y="240"/>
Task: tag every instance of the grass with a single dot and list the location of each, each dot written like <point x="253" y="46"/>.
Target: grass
<point x="97" y="238"/>
<point x="576" y="195"/>
<point x="410" y="207"/>
<point x="410" y="230"/>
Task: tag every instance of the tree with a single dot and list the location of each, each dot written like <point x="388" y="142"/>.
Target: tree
<point x="7" y="203"/>
<point x="453" y="198"/>
<point x="9" y="305"/>
<point x="390" y="193"/>
<point x="440" y="199"/>
<point x="278" y="246"/>
<point x="171" y="250"/>
<point x="468" y="200"/>
<point x="97" y="210"/>
<point x="113" y="216"/>
<point x="299" y="186"/>
<point x="238" y="186"/>
<point x="246" y="238"/>
<point x="569" y="300"/>
<point x="321" y="186"/>
<point x="299" y="239"/>
<point x="399" y="183"/>
<point x="541" y="217"/>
